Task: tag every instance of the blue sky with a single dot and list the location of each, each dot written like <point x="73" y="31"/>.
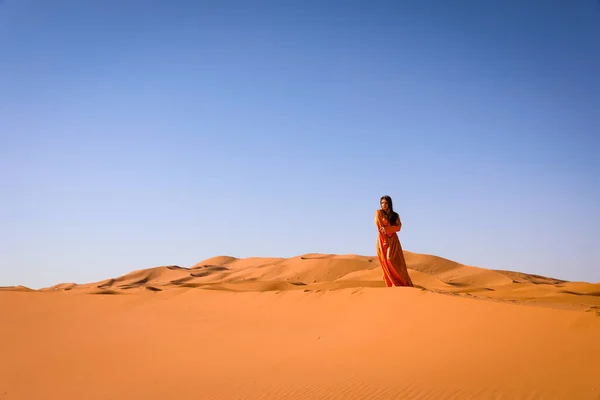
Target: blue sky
<point x="135" y="134"/>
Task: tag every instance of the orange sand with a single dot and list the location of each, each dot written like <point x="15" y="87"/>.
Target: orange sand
<point x="310" y="327"/>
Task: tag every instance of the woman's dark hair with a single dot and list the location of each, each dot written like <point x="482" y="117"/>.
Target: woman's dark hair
<point x="390" y="214"/>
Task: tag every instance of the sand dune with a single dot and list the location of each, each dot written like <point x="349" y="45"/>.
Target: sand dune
<point x="316" y="326"/>
<point x="329" y="272"/>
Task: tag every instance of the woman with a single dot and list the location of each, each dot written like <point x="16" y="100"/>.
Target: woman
<point x="389" y="250"/>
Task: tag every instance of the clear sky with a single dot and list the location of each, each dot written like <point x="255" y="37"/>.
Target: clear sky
<point x="142" y="133"/>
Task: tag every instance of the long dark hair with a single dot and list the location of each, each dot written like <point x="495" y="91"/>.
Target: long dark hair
<point x="390" y="214"/>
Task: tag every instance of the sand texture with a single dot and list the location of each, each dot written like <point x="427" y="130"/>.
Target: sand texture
<point x="316" y="326"/>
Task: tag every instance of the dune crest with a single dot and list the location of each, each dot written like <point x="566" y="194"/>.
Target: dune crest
<point x="316" y="272"/>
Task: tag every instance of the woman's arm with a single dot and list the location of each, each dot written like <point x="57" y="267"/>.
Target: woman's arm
<point x="393" y="228"/>
<point x="378" y="223"/>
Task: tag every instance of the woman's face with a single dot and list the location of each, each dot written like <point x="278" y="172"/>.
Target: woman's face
<point x="384" y="205"/>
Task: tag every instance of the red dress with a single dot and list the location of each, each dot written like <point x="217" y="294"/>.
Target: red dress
<point x="389" y="252"/>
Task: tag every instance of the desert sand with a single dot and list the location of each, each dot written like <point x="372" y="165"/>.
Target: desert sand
<point x="315" y="326"/>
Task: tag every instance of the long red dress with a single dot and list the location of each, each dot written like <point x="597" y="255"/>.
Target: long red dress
<point x="389" y="252"/>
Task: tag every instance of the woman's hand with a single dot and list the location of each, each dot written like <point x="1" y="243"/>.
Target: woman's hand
<point x="382" y="230"/>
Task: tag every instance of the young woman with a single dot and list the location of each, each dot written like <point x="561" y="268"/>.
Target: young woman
<point x="389" y="250"/>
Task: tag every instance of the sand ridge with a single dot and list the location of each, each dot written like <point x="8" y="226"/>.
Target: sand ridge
<point x="309" y="272"/>
<point x="318" y="326"/>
